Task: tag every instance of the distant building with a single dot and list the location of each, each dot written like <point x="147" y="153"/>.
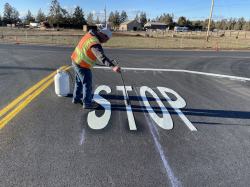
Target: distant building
<point x="155" y="25"/>
<point x="100" y="26"/>
<point x="130" y="25"/>
<point x="23" y="21"/>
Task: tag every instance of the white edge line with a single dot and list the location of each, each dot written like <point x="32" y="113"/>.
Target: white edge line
<point x="183" y="71"/>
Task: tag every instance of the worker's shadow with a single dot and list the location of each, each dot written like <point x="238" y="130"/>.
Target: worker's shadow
<point x="135" y="103"/>
<point x="118" y="104"/>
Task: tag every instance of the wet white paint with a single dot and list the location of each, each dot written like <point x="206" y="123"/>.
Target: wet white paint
<point x="82" y="136"/>
<point x="131" y="119"/>
<point x="170" y="174"/>
<point x="95" y="122"/>
<point x="176" y="105"/>
<point x="166" y="121"/>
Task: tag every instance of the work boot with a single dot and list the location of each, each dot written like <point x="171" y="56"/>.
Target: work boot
<point x="91" y="106"/>
<point x="75" y="102"/>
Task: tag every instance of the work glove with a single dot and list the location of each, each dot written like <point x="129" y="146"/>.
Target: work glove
<point x="117" y="69"/>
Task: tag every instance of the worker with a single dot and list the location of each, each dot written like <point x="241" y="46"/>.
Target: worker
<point x="83" y="58"/>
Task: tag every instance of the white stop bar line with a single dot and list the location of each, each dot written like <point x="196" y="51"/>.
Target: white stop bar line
<point x="182" y="71"/>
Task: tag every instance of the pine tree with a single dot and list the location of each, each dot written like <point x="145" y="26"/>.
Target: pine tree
<point x="117" y="20"/>
<point x="15" y="15"/>
<point x="167" y="19"/>
<point x="56" y="13"/>
<point x="123" y="17"/>
<point x="137" y="18"/>
<point x="40" y="16"/>
<point x="97" y="21"/>
<point x="111" y="18"/>
<point x="78" y="17"/>
<point x="7" y="12"/>
<point x="246" y="26"/>
<point x="90" y="19"/>
<point x="239" y="24"/>
<point x="160" y="18"/>
<point x="143" y="19"/>
<point x="157" y="19"/>
<point x="182" y="21"/>
<point x="29" y="18"/>
<point x="231" y="24"/>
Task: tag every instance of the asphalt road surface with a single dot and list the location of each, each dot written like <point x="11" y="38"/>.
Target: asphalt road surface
<point x="187" y="125"/>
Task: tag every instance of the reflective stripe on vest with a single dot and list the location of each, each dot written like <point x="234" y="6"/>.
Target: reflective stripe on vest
<point x="81" y="56"/>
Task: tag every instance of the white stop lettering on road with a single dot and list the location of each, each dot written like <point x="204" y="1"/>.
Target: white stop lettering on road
<point x="131" y="119"/>
<point x="100" y="122"/>
<point x="166" y="121"/>
<point x="176" y="105"/>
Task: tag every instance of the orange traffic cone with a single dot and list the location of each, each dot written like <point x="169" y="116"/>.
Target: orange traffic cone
<point x="217" y="47"/>
<point x="16" y="40"/>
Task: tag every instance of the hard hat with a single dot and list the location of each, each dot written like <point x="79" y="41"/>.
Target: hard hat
<point x="107" y="32"/>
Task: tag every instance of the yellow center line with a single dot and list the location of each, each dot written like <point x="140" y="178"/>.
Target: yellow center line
<point x="12" y="114"/>
<point x="12" y="104"/>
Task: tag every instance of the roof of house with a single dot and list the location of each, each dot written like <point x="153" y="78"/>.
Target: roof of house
<point x="127" y="22"/>
<point x="156" y="23"/>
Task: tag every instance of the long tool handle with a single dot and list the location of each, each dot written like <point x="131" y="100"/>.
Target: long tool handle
<point x="127" y="99"/>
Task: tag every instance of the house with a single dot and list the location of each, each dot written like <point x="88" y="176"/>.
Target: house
<point x="130" y="25"/>
<point x="155" y="25"/>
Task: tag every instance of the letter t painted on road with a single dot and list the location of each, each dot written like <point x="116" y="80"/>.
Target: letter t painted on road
<point x="131" y="120"/>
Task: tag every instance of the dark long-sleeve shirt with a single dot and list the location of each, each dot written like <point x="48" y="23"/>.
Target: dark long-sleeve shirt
<point x="97" y="50"/>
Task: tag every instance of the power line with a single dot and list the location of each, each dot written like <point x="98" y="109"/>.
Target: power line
<point x="206" y="7"/>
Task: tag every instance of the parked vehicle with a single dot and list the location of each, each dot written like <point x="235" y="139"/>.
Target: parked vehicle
<point x="181" y="29"/>
<point x="38" y="25"/>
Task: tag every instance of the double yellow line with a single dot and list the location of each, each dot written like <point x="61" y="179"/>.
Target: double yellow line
<point x="14" y="112"/>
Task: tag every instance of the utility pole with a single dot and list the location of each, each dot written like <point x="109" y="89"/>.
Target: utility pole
<point x="210" y="19"/>
<point x="105" y="15"/>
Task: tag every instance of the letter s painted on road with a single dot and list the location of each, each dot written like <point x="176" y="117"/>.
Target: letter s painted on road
<point x="100" y="122"/>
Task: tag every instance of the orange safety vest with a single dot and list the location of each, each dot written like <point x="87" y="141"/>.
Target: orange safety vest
<point x="83" y="55"/>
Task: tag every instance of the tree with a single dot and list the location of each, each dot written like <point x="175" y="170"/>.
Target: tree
<point x="15" y="15"/>
<point x="143" y="19"/>
<point x="90" y="19"/>
<point x="117" y="20"/>
<point x="224" y="24"/>
<point x="231" y="24"/>
<point x="246" y="26"/>
<point x="78" y="17"/>
<point x="148" y="19"/>
<point x="40" y="16"/>
<point x="123" y="16"/>
<point x="137" y="18"/>
<point x="56" y="13"/>
<point x="167" y="19"/>
<point x="160" y="18"/>
<point x="212" y="24"/>
<point x="239" y="24"/>
<point x="157" y="19"/>
<point x="29" y="18"/>
<point x="111" y="18"/>
<point x="97" y="21"/>
<point x="7" y="12"/>
<point x="188" y="23"/>
<point x="182" y="21"/>
<point x="221" y="24"/>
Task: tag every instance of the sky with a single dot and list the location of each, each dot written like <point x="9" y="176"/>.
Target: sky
<point x="191" y="9"/>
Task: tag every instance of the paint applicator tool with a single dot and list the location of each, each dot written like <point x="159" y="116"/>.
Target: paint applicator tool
<point x="127" y="101"/>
